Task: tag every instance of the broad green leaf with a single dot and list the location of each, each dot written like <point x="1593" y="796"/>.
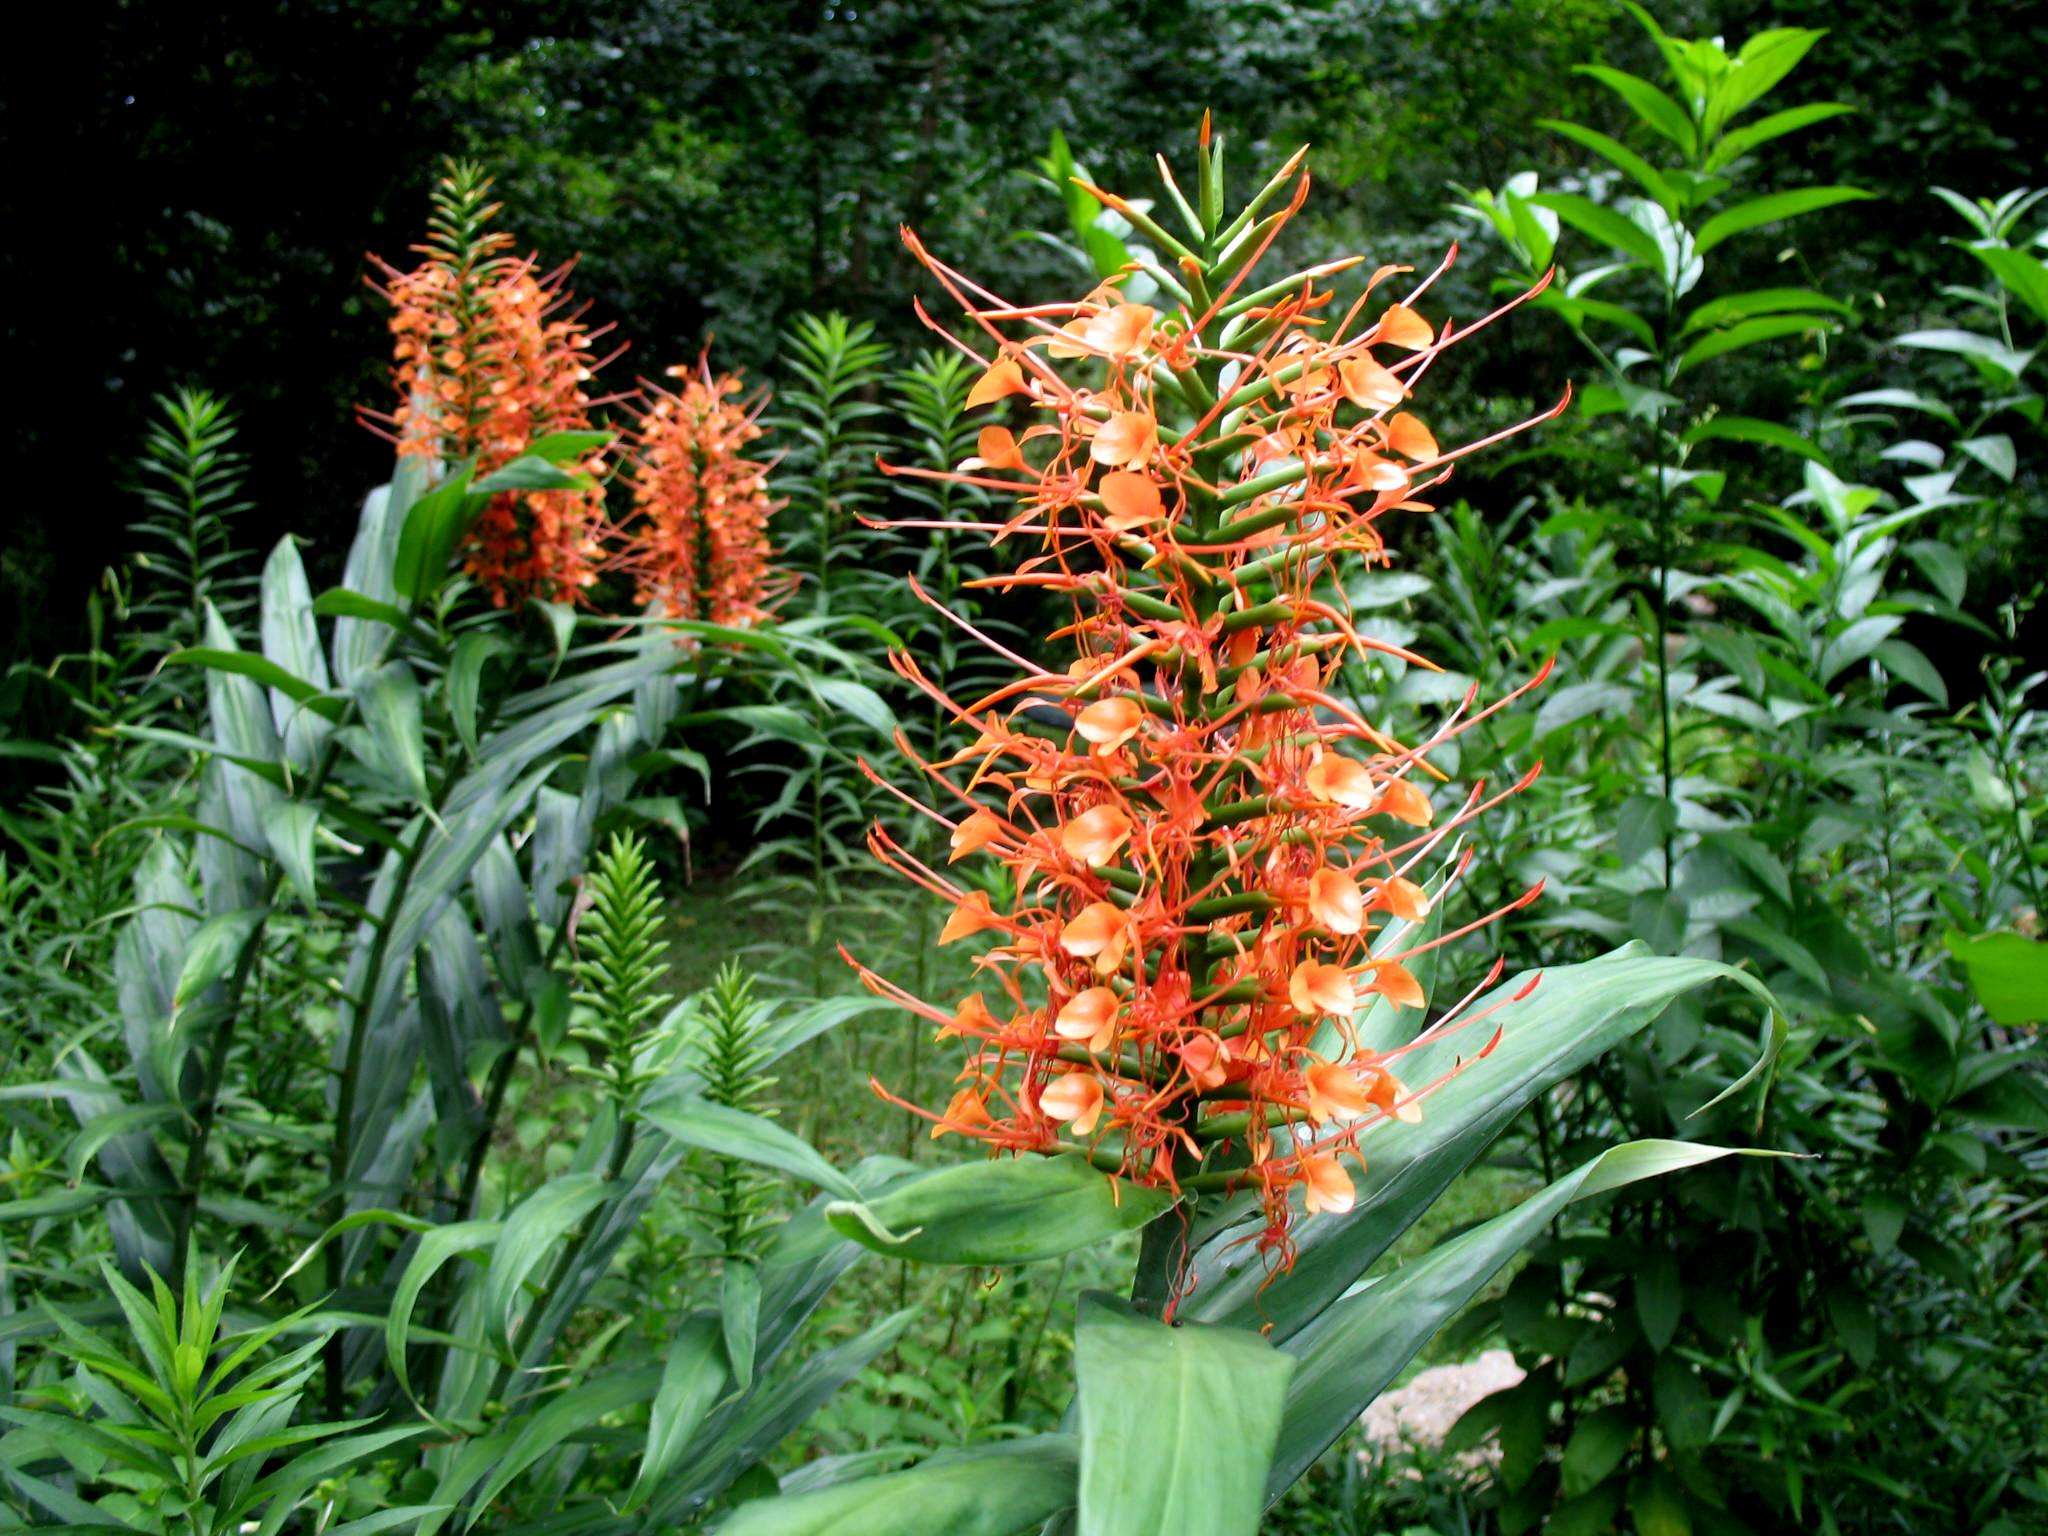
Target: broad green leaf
<point x="560" y="447"/>
<point x="1619" y="155"/>
<point x="434" y="525"/>
<point x="1656" y="109"/>
<point x="435" y="1249"/>
<point x="1660" y="1296"/>
<point x="750" y="1138"/>
<point x="292" y="640"/>
<point x="213" y="951"/>
<point x="1904" y="399"/>
<point x="1995" y="452"/>
<point x="1758" y="301"/>
<point x="1773" y="209"/>
<point x="263" y="670"/>
<point x="1550" y="1025"/>
<point x="390" y="700"/>
<point x="1766" y="58"/>
<point x="1970" y="344"/>
<point x="288" y="826"/>
<point x="692" y="1381"/>
<point x="739" y="1316"/>
<point x="990" y="1490"/>
<point x="566" y="1413"/>
<point x="1747" y="333"/>
<point x="1351" y="1350"/>
<point x="465" y="679"/>
<point x="1734" y="145"/>
<point x="1853" y="644"/>
<point x="2009" y="974"/>
<point x="1750" y="429"/>
<point x="1908" y="663"/>
<point x="1178" y="1423"/>
<point x="531" y="1230"/>
<point x="1611" y="228"/>
<point x="528" y="473"/>
<point x="2023" y="275"/>
<point x="1598" y="1443"/>
<point x="1007" y="1212"/>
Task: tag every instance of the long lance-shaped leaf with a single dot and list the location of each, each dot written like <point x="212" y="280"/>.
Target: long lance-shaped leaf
<point x="1570" y="1016"/>
<point x="1178" y="1424"/>
<point x="750" y="1138"/>
<point x="1352" y="1351"/>
<point x="998" y="1213"/>
<point x="988" y="1491"/>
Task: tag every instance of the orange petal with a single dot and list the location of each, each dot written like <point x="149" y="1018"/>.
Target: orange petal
<point x="1397" y="985"/>
<point x="1404" y="898"/>
<point x="1382" y="474"/>
<point x="1407" y="436"/>
<point x="997" y="448"/>
<point x="971" y="1018"/>
<point x="1404" y="802"/>
<point x="1089" y="1016"/>
<point x="1076" y="1097"/>
<point x="1335" y="1093"/>
<point x="1369" y="386"/>
<point x="1325" y="1186"/>
<point x="1109" y="723"/>
<point x="1076" y="328"/>
<point x="1334" y="898"/>
<point x="1202" y="1055"/>
<point x="1402" y="327"/>
<point x="1127" y="438"/>
<point x="1340" y="781"/>
<point x="1094" y="836"/>
<point x="1004" y="377"/>
<point x="1094" y="931"/>
<point x="973" y="835"/>
<point x="1121" y="331"/>
<point x="971" y="915"/>
<point x="1318" y="988"/>
<point x="1130" y="500"/>
<point x="965" y="1112"/>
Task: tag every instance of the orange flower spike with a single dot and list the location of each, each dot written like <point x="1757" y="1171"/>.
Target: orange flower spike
<point x="1094" y="837"/>
<point x="1075" y="1098"/>
<point x="1336" y="902"/>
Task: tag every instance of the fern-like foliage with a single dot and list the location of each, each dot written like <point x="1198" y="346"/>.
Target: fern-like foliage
<point x="619" y="963"/>
<point x="734" y="1202"/>
<point x="189" y="477"/>
<point x="827" y="413"/>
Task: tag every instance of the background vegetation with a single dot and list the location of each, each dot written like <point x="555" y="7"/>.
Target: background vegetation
<point x="1786" y="547"/>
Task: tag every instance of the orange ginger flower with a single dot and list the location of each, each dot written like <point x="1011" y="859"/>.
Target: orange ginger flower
<point x="698" y="545"/>
<point x="489" y="356"/>
<point x="1217" y="862"/>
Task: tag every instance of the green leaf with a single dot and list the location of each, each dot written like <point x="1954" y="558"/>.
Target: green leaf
<point x="1618" y="155"/>
<point x="528" y="473"/>
<point x="692" y="1381"/>
<point x="1758" y="301"/>
<point x="1748" y="333"/>
<point x="1659" y="1296"/>
<point x="436" y="1248"/>
<point x="562" y="1415"/>
<point x="1766" y="58"/>
<point x="1657" y="1505"/>
<point x="1178" y="1422"/>
<point x="534" y="1226"/>
<point x="434" y="525"/>
<point x="1905" y="399"/>
<point x="288" y="826"/>
<point x="1007" y="1212"/>
<point x="1907" y="662"/>
<point x="739" y="1315"/>
<point x="213" y="951"/>
<point x="1773" y="209"/>
<point x="990" y="1490"/>
<point x="292" y="640"/>
<point x="1610" y="228"/>
<point x="561" y="447"/>
<point x="1595" y="1449"/>
<point x="1971" y="344"/>
<point x="1995" y="452"/>
<point x="2009" y="974"/>
<point x="473" y="652"/>
<point x="750" y="1138"/>
<point x="1550" y="1025"/>
<point x="1656" y="109"/>
<point x="1733" y="146"/>
<point x="340" y="603"/>
<point x="390" y="700"/>
<point x="2023" y="275"/>
<point x="1352" y="1349"/>
<point x="263" y="670"/>
<point x="1750" y="429"/>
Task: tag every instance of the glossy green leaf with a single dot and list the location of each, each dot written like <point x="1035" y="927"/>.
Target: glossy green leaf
<point x="692" y="1381"/>
<point x="435" y="1249"/>
<point x="1178" y="1423"/>
<point x="1740" y="141"/>
<point x="1759" y="301"/>
<point x="739" y="1317"/>
<point x="990" y="1490"/>
<point x="1748" y="333"/>
<point x="1612" y="229"/>
<point x="473" y="652"/>
<point x="1652" y="105"/>
<point x="263" y="670"/>
<point x="1007" y="1212"/>
<point x="566" y="1413"/>
<point x="750" y="1138"/>
<point x="2009" y="974"/>
<point x="292" y="640"/>
<point x="1749" y="429"/>
<point x="434" y="525"/>
<point x="2023" y="275"/>
<point x="1774" y="208"/>
<point x="1353" y="1348"/>
<point x="288" y="826"/>
<point x="530" y="1232"/>
<point x="1620" y="156"/>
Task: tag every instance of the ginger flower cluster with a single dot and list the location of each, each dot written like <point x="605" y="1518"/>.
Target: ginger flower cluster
<point x="489" y="356"/>
<point x="1196" y="868"/>
<point x="697" y="546"/>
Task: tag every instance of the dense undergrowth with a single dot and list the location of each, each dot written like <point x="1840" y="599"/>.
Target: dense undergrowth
<point x="438" y="1095"/>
